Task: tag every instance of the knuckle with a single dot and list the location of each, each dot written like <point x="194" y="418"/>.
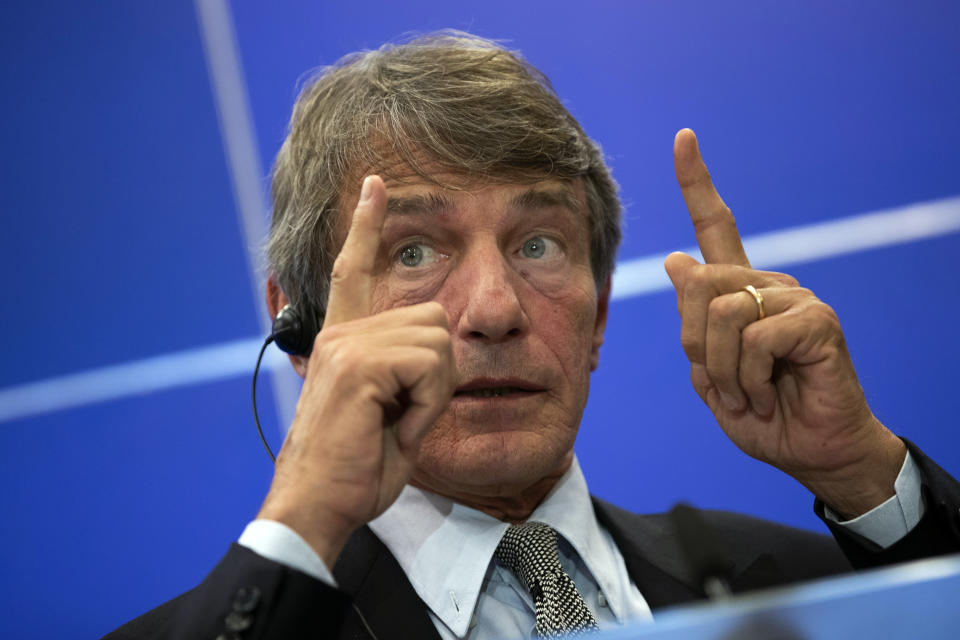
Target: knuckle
<point x="330" y="334"/>
<point x="323" y="340"/>
<point x="320" y="340"/>
<point x="349" y="355"/>
<point x="701" y="275"/>
<point x="723" y="309"/>
<point x="343" y="357"/>
<point x="756" y="391"/>
<point x="435" y="313"/>
<point x="753" y="382"/>
<point x="699" y="377"/>
<point x="750" y="378"/>
<point x="720" y="214"/>
<point x="820" y="312"/>
<point x="438" y="339"/>
<point x="827" y="312"/>
<point x="747" y="383"/>
<point x="691" y="346"/>
<point x="445" y="341"/>
<point x="783" y="279"/>
<point x="751" y="337"/>
<point x="718" y="373"/>
<point x="437" y="335"/>
<point x="431" y="361"/>
<point x="829" y="318"/>
<point x="341" y="269"/>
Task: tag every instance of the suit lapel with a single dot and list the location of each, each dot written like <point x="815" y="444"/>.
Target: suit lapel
<point x="385" y="598"/>
<point x="659" y="567"/>
<point x="653" y="559"/>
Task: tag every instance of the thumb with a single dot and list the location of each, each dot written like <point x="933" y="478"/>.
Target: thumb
<point x="677" y="265"/>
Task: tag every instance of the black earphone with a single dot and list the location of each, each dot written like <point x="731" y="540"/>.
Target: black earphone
<point x="294" y="333"/>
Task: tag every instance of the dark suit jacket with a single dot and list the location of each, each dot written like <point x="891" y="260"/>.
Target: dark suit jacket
<point x="258" y="598"/>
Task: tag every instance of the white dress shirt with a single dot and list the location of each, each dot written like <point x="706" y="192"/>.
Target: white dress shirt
<point x="446" y="550"/>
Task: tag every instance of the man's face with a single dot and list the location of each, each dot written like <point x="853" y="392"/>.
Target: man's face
<point x="511" y="266"/>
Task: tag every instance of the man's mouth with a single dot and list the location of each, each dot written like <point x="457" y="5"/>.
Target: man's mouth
<point x="492" y="392"/>
<point x="486" y="388"/>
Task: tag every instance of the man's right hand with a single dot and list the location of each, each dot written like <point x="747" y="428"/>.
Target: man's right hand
<point x="374" y="386"/>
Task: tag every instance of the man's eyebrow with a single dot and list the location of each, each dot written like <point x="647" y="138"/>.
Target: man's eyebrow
<point x="548" y="198"/>
<point x="431" y="203"/>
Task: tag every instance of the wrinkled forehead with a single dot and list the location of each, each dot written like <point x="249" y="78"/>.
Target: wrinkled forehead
<point x="431" y="187"/>
<point x="401" y="163"/>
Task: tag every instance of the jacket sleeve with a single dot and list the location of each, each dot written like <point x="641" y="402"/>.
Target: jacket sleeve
<point x="937" y="533"/>
<point x="245" y="596"/>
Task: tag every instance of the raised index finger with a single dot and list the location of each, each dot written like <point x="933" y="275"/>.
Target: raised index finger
<point x="713" y="222"/>
<point x="351" y="281"/>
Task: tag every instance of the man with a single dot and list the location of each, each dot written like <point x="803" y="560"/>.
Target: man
<point x="475" y="228"/>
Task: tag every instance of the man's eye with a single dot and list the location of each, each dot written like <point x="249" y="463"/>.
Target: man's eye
<point x="416" y="255"/>
<point x="539" y="247"/>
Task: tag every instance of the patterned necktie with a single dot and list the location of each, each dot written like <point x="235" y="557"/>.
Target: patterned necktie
<point x="529" y="550"/>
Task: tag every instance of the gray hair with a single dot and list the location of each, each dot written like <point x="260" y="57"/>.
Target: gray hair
<point x="449" y="100"/>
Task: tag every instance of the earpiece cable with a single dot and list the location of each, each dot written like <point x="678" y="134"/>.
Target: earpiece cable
<point x="263" y="439"/>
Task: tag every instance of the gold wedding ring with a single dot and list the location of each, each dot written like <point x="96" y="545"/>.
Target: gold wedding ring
<point x="752" y="290"/>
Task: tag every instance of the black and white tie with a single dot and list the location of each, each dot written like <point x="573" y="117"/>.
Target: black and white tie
<point x="529" y="550"/>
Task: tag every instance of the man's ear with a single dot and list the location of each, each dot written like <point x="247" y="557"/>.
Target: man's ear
<point x="603" y="305"/>
<point x="277" y="300"/>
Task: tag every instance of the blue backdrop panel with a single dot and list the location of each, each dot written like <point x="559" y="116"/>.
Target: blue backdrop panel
<point x="120" y="506"/>
<point x="120" y="224"/>
<point x="122" y="243"/>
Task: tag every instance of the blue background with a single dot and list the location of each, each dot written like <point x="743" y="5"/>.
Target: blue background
<point x="122" y="242"/>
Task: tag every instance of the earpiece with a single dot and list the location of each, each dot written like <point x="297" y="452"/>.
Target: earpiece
<point x="294" y="332"/>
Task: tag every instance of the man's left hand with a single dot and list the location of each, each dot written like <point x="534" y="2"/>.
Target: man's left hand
<point x="782" y="387"/>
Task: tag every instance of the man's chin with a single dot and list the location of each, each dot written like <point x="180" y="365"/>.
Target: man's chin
<point x="493" y="464"/>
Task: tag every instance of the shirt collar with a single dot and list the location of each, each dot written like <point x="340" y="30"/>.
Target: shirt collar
<point x="445" y="548"/>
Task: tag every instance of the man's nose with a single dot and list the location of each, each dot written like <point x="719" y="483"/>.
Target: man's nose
<point x="491" y="307"/>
